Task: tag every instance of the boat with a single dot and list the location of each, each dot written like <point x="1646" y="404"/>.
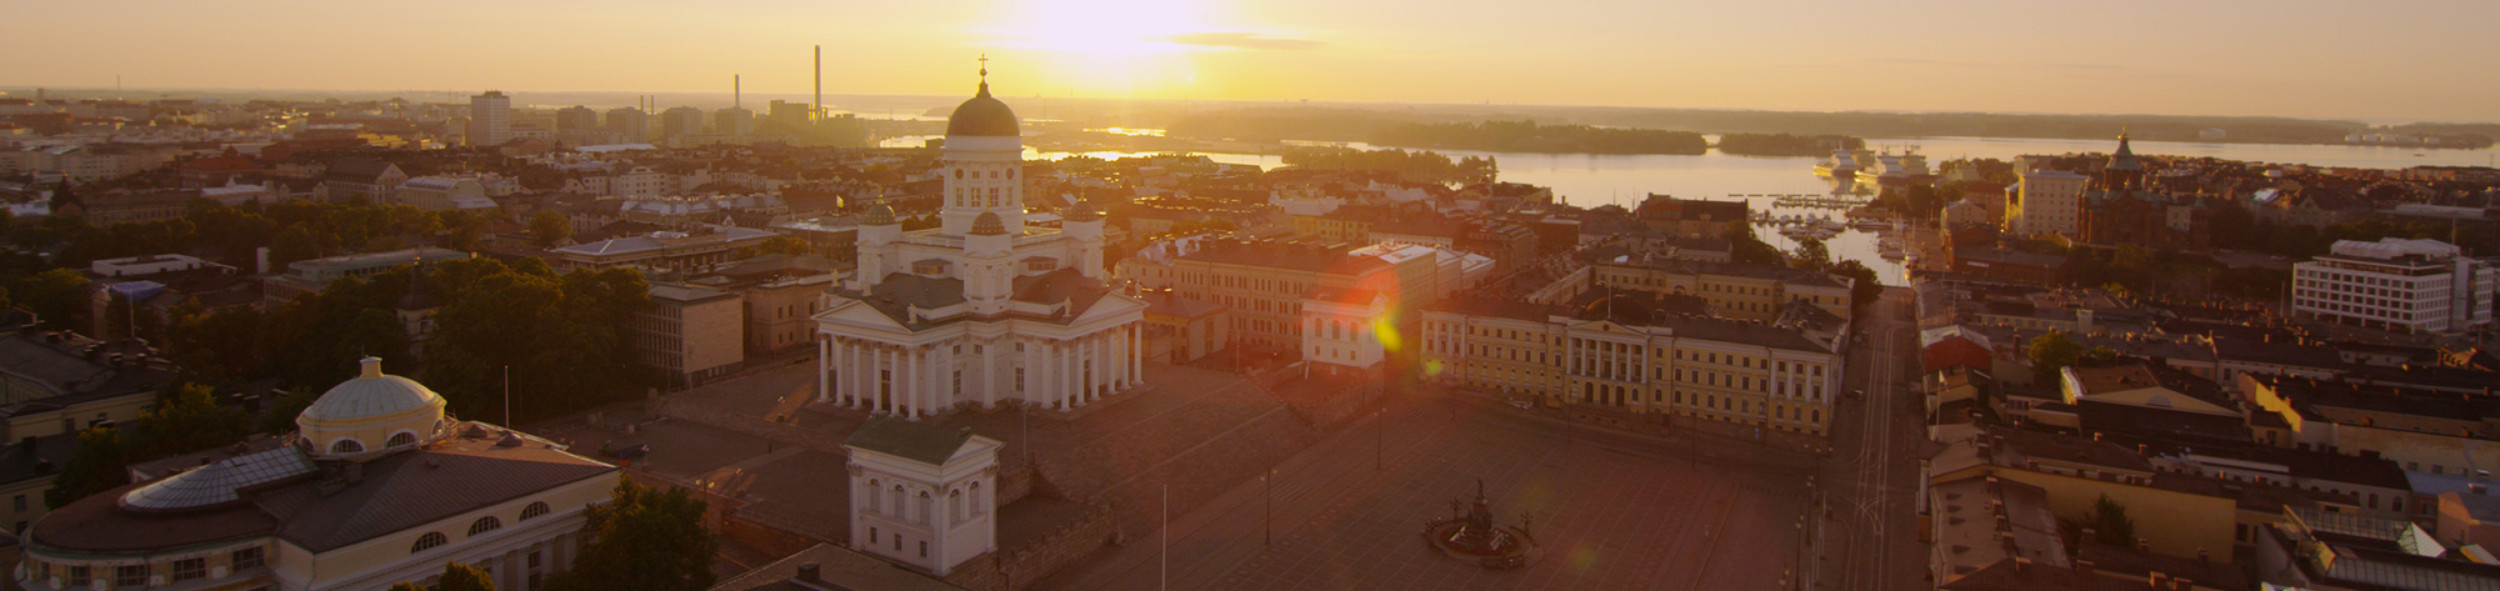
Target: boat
<point x="1895" y="169"/>
<point x="1841" y="165"/>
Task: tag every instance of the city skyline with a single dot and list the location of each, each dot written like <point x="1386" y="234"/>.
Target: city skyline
<point x="2311" y="59"/>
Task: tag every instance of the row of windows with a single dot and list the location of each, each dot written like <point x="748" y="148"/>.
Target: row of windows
<point x="963" y="504"/>
<point x="482" y="525"/>
<point x="136" y="575"/>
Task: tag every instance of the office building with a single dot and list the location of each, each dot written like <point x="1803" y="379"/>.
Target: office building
<point x="2417" y="286"/>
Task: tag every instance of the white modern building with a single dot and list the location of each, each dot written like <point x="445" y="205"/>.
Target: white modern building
<point x="982" y="309"/>
<point x="490" y="119"/>
<point x="2415" y="286"/>
<point x="923" y="495"/>
<point x="2045" y="202"/>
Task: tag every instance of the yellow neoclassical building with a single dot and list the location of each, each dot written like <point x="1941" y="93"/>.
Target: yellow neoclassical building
<point x="1735" y="290"/>
<point x="1645" y="353"/>
<point x="376" y="487"/>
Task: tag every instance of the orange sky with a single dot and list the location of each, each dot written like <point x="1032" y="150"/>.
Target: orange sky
<point x="2387" y="60"/>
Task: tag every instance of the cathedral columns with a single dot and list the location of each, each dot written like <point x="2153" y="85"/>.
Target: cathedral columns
<point x="914" y="358"/>
<point x="988" y="374"/>
<point x="878" y="398"/>
<point x="1071" y="352"/>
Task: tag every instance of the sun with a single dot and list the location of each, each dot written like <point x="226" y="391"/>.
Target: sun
<point x="1105" y="47"/>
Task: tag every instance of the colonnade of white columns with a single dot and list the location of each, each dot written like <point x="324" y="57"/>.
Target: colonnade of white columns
<point x="917" y="380"/>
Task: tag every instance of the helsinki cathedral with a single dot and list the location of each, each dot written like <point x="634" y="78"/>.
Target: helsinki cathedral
<point x="982" y="309"/>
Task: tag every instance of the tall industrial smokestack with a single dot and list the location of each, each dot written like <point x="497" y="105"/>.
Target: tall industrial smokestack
<point x="737" y="94"/>
<point x="820" y="85"/>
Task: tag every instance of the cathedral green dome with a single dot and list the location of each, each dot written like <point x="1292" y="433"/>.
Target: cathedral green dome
<point x="982" y="117"/>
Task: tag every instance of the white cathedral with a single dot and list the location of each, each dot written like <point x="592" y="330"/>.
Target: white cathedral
<point x="981" y="309"/>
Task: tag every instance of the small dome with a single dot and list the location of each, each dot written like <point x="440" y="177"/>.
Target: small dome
<point x="878" y="215"/>
<point x="372" y="394"/>
<point x="982" y="116"/>
<point x="988" y="224"/>
<point x="1083" y="211"/>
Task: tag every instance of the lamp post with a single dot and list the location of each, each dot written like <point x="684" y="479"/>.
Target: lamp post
<point x="1270" y="505"/>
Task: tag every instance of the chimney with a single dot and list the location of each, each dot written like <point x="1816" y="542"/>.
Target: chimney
<point x="2203" y="556"/>
<point x="811" y="573"/>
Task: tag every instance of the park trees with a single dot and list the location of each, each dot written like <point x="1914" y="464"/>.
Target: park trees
<point x="643" y="539"/>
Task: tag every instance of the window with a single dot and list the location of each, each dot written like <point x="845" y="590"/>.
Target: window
<point x="429" y="540"/>
<point x="190" y="569"/>
<point x="346" y="446"/>
<point x="924" y="507"/>
<point x="130" y="576"/>
<point x="19" y="503"/>
<point x="534" y="510"/>
<point x="485" y="524"/>
<point x="872" y="535"/>
<point x="81" y="576"/>
<point x="400" y="439"/>
<point x="924" y="549"/>
<point x="246" y="558"/>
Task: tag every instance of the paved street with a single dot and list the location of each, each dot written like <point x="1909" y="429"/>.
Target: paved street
<point x="1868" y="493"/>
<point x="1610" y="511"/>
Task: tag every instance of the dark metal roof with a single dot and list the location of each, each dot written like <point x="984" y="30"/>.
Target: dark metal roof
<point x="918" y="442"/>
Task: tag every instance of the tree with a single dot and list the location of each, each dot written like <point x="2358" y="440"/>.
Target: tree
<point x="2050" y="353"/>
<point x="186" y="420"/>
<point x="643" y="539"/>
<point x="1750" y="249"/>
<point x="280" y="416"/>
<point x="1864" y="285"/>
<point x="782" y="245"/>
<point x="1811" y="255"/>
<point x="548" y="228"/>
<point x="2110" y="524"/>
<point x="464" y="577"/>
<point x="59" y="296"/>
<point x="100" y="463"/>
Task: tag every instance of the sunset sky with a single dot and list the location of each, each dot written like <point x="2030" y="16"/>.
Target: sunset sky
<point x="2392" y="60"/>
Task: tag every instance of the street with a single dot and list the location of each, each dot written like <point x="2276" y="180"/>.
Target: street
<point x="1866" y="522"/>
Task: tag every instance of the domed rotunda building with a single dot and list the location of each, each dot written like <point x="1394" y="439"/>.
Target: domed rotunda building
<point x="378" y="486"/>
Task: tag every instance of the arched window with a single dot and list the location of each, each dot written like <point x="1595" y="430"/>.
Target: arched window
<point x="976" y="499"/>
<point x="485" y="524"/>
<point x="534" y="510"/>
<point x="924" y="506"/>
<point x="898" y="500"/>
<point x="346" y="446"/>
<point x="429" y="540"/>
<point x="959" y="173"/>
<point x="400" y="439"/>
<point x="955" y="506"/>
